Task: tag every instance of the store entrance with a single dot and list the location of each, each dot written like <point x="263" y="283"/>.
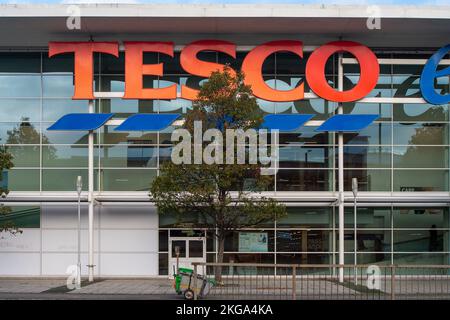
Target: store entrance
<point x="188" y="250"/>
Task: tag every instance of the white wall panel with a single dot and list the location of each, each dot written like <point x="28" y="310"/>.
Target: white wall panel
<point x="19" y="264"/>
<point x="56" y="264"/>
<point x="28" y="240"/>
<point x="129" y="264"/>
<point x="124" y="217"/>
<point x="129" y="240"/>
<point x="65" y="217"/>
<point x="66" y="240"/>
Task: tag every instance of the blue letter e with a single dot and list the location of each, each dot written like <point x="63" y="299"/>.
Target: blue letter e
<point x="430" y="73"/>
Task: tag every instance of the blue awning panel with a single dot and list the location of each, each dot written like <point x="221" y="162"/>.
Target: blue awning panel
<point x="347" y="122"/>
<point x="81" y="121"/>
<point x="285" y="122"/>
<point x="148" y="122"/>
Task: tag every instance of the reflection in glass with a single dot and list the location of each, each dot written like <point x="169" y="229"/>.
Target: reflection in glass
<point x="366" y="157"/>
<point x="305" y="157"/>
<point x="20" y="62"/>
<point x="20" y="86"/>
<point x="127" y="180"/>
<point x="368" y="180"/>
<point x="421" y="217"/>
<point x="420" y="180"/>
<point x="65" y="156"/>
<point x="420" y="157"/>
<point x="314" y="217"/>
<point x="420" y="133"/>
<point x="376" y="133"/>
<point x="25" y="156"/>
<point x="17" y="109"/>
<point x="128" y="156"/>
<point x="63" y="179"/>
<point x="53" y="109"/>
<point x="302" y="241"/>
<point x="303" y="180"/>
<point x="23" y="180"/>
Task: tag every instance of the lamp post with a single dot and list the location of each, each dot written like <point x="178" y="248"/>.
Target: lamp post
<point x="79" y="188"/>
<point x="355" y="240"/>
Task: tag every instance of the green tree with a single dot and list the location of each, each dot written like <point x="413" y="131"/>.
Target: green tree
<point x="223" y="197"/>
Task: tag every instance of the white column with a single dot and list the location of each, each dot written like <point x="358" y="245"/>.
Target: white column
<point x="341" y="174"/>
<point x="90" y="198"/>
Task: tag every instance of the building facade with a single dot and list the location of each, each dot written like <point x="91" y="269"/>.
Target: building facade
<point x="401" y="161"/>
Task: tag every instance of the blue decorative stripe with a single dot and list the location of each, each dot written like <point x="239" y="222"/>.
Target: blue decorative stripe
<point x="347" y="122"/>
<point x="148" y="122"/>
<point x="285" y="122"/>
<point x="80" y="121"/>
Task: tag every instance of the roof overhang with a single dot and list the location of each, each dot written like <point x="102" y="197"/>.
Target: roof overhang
<point x="32" y="25"/>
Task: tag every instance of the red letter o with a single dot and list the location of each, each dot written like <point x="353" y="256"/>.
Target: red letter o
<point x="315" y="71"/>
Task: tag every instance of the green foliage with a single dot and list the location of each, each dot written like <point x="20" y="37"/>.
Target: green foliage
<point x="225" y="197"/>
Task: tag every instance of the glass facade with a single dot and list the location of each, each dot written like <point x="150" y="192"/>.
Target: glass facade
<point x="406" y="150"/>
<point x="309" y="235"/>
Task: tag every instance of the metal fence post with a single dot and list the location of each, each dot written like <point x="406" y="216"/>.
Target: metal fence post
<point x="294" y="283"/>
<point x="393" y="282"/>
<point x="195" y="281"/>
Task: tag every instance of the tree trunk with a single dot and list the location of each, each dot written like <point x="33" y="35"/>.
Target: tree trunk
<point x="220" y="250"/>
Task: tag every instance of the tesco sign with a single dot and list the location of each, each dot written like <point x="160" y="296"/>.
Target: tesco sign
<point x="135" y="69"/>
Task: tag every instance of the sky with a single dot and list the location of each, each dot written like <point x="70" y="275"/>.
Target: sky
<point x="362" y="2"/>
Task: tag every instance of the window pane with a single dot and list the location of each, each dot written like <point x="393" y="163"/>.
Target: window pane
<point x="368" y="180"/>
<point x="128" y="156"/>
<point x="306" y="217"/>
<point x="18" y="109"/>
<point x="421" y="217"/>
<point x="109" y="136"/>
<point x="63" y="180"/>
<point x="127" y="180"/>
<point x="372" y="217"/>
<point x="53" y="109"/>
<point x="163" y="264"/>
<point x="58" y="86"/>
<point x="25" y="156"/>
<point x="305" y="135"/>
<point x="20" y="133"/>
<point x="420" y="133"/>
<point x="420" y="112"/>
<point x="21" y="217"/>
<point x="305" y="157"/>
<point x="376" y="133"/>
<point x="20" y="86"/>
<point x="58" y="64"/>
<point x="23" y="180"/>
<point x="420" y="180"/>
<point x="303" y="180"/>
<point x="421" y="258"/>
<point x="302" y="241"/>
<point x="421" y="157"/>
<point x="20" y="62"/>
<point x="299" y="258"/>
<point x="179" y="248"/>
<point x="250" y="241"/>
<point x="61" y="137"/>
<point x="383" y="110"/>
<point x="366" y="157"/>
<point x="65" y="156"/>
<point x="196" y="249"/>
<point x="123" y="108"/>
<point x="419" y="240"/>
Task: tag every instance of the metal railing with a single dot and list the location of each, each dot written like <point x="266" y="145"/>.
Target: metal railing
<point x="322" y="282"/>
